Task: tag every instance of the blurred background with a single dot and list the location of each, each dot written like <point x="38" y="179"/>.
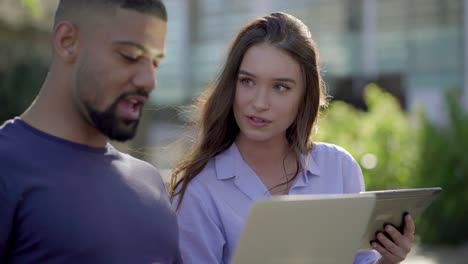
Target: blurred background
<point x="395" y="68"/>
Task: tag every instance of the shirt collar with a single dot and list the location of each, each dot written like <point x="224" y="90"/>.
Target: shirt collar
<point x="311" y="169"/>
<point x="312" y="164"/>
<point x="230" y="164"/>
<point x="225" y="163"/>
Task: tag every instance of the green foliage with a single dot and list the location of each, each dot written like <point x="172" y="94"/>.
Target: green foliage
<point x="382" y="136"/>
<point x="33" y="7"/>
<point x="408" y="155"/>
<point x="444" y="162"/>
<point x="18" y="87"/>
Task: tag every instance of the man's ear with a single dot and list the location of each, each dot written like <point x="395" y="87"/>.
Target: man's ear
<point x="66" y="40"/>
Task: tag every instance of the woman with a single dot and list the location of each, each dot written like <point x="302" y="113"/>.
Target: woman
<point x="254" y="127"/>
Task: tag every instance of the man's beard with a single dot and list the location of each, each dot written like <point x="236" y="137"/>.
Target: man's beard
<point x="110" y="125"/>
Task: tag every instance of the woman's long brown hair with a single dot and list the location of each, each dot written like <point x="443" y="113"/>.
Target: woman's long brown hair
<point x="214" y="120"/>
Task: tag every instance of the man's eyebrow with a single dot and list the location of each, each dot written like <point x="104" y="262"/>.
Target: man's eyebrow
<point x="156" y="53"/>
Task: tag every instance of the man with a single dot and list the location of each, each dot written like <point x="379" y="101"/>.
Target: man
<point x="66" y="195"/>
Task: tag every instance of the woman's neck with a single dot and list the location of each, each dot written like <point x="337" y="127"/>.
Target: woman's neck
<point x="273" y="161"/>
<point x="263" y="153"/>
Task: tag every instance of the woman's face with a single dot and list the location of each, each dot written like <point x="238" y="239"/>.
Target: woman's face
<point x="269" y="90"/>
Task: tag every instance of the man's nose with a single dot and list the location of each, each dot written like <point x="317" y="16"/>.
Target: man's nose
<point x="145" y="77"/>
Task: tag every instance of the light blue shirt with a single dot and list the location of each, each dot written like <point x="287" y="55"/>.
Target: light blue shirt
<point x="217" y="201"/>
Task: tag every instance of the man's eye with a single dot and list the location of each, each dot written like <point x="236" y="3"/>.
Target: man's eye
<point x="129" y="57"/>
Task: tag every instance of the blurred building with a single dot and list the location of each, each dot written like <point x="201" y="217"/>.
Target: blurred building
<point x="413" y="48"/>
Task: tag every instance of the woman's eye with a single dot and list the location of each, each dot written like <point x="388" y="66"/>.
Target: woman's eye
<point x="246" y="82"/>
<point x="281" y="88"/>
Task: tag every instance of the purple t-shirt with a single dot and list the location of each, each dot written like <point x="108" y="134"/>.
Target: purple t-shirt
<point x="62" y="202"/>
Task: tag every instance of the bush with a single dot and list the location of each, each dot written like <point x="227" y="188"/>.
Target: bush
<point x="19" y="86"/>
<point x="444" y="162"/>
<point x="394" y="153"/>
<point x="381" y="139"/>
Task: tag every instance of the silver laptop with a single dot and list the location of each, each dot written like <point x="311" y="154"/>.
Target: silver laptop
<point x="322" y="229"/>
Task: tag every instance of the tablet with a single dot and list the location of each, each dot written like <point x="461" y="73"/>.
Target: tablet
<point x="391" y="205"/>
<point x="304" y="229"/>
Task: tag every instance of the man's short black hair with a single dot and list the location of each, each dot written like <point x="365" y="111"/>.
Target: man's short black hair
<point x="68" y="9"/>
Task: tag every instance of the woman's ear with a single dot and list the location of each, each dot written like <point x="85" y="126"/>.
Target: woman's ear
<point x="66" y="39"/>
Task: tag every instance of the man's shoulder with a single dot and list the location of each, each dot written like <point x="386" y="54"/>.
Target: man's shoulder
<point x="10" y="145"/>
<point x="137" y="163"/>
<point x="141" y="170"/>
<point x="7" y="131"/>
<point x="13" y="151"/>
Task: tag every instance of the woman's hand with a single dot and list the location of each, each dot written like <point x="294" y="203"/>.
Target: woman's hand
<point x="395" y="251"/>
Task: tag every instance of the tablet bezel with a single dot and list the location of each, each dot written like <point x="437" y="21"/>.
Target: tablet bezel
<point x="391" y="206"/>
